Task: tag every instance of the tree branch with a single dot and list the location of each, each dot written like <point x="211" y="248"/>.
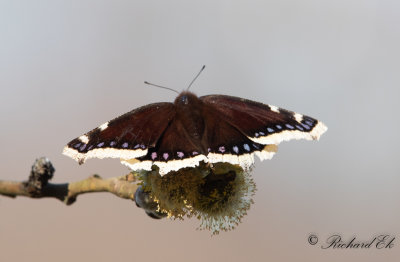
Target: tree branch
<point x="42" y="171"/>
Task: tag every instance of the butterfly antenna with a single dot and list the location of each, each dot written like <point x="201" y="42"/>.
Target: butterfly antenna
<point x="201" y="70"/>
<point x="150" y="84"/>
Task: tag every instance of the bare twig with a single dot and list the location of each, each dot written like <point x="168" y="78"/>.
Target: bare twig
<point x="42" y="171"/>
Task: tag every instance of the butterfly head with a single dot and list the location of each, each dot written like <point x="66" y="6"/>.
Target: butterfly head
<point x="186" y="99"/>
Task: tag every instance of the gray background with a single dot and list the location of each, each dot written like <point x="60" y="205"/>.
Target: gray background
<point x="69" y="66"/>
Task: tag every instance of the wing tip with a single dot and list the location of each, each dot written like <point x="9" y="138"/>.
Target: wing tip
<point x="74" y="154"/>
<point x="318" y="130"/>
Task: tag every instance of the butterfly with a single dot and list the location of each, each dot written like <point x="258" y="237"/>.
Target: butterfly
<point x="211" y="128"/>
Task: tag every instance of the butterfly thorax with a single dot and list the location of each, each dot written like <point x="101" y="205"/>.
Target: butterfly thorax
<point x="189" y="113"/>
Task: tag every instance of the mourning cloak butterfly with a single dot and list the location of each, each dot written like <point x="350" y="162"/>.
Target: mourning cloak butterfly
<point x="213" y="128"/>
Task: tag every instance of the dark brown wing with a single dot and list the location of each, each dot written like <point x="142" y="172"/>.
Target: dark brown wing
<point x="227" y="143"/>
<point x="175" y="149"/>
<point x="128" y="136"/>
<point x="220" y="142"/>
<point x="262" y="123"/>
<point x="191" y="138"/>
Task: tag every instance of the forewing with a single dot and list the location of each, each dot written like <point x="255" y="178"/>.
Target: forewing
<point x="127" y="136"/>
<point x="265" y="124"/>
